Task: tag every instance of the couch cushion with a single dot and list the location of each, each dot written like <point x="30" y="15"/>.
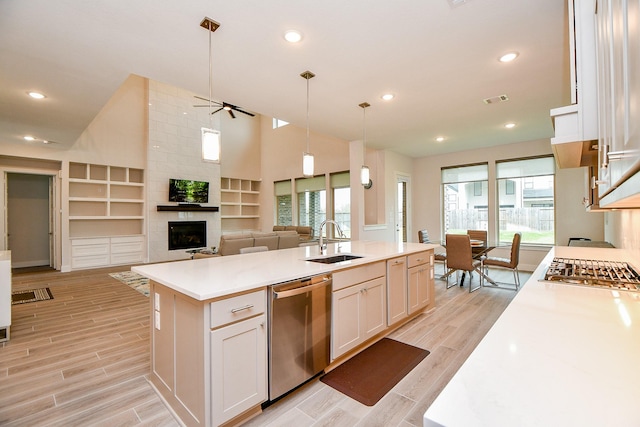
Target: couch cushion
<point x="305" y="232"/>
<point x="288" y="239"/>
<point x="269" y="240"/>
<point x="230" y="244"/>
<point x="278" y="228"/>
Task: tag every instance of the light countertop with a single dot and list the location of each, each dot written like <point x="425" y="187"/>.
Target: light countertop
<point x="214" y="277"/>
<point x="560" y="355"/>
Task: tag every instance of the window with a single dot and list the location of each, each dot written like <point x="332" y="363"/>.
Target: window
<point x="465" y="198"/>
<point x="277" y="123"/>
<point x="312" y="201"/>
<point x="342" y="201"/>
<point x="284" y="206"/>
<point x="528" y="206"/>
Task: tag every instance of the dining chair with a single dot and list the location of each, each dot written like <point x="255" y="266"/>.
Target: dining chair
<point x="478" y="235"/>
<point x="460" y="258"/>
<point x="510" y="263"/>
<point x="438" y="254"/>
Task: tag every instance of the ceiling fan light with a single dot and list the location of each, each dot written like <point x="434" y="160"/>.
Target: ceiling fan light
<point x="307" y="165"/>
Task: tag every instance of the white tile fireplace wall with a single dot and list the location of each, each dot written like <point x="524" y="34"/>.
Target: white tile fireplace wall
<point x="174" y="151"/>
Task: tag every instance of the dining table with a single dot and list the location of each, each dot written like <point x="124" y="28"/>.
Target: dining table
<point x="479" y="248"/>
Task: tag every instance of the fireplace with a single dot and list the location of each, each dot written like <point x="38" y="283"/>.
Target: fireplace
<point x="187" y="234"/>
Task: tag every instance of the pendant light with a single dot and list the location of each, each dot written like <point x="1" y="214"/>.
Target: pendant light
<point x="364" y="171"/>
<point x="210" y="137"/>
<point x="307" y="157"/>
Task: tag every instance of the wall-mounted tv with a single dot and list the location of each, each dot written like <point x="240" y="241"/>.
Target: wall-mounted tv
<point x="186" y="191"/>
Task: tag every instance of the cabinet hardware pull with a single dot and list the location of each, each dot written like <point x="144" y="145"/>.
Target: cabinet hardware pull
<point x="246" y="307"/>
<point x="419" y="259"/>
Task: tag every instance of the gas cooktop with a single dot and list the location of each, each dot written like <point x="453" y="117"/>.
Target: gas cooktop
<point x="587" y="272"/>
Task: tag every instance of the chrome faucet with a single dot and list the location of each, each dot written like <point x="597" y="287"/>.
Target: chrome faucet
<point x="323" y="246"/>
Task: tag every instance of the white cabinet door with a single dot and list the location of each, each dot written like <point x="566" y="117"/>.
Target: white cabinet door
<point x="238" y="368"/>
<point x="358" y="313"/>
<point x="396" y="289"/>
<point x="419" y="295"/>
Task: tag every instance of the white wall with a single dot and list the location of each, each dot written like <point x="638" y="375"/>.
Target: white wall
<point x="174" y="150"/>
<point x="282" y="150"/>
<point x="571" y="218"/>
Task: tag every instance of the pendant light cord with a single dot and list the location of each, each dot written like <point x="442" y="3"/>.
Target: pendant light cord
<point x="307" y="113"/>
<point x="210" y="78"/>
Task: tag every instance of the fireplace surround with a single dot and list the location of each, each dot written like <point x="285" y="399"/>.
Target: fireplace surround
<point x="187" y="235"/>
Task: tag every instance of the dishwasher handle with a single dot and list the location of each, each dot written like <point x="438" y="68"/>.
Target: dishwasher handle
<point x="301" y="290"/>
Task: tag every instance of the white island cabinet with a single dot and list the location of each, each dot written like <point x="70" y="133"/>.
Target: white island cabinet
<point x="209" y="328"/>
<point x="358" y="307"/>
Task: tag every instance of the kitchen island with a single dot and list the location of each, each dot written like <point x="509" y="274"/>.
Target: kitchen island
<point x="209" y="318"/>
<point x="559" y="355"/>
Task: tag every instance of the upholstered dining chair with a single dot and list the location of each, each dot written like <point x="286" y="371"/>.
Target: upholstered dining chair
<point x="510" y="263"/>
<point x="478" y="235"/>
<point x="438" y="254"/>
<point x="460" y="258"/>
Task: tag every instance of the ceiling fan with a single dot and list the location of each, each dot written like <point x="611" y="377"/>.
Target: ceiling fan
<point x="224" y="106"/>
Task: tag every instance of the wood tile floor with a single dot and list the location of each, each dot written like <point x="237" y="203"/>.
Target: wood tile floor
<point x="82" y="359"/>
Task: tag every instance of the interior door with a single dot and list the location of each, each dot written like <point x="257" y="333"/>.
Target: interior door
<point x="29" y="224"/>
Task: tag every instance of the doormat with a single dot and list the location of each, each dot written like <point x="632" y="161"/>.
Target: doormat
<point x="133" y="280"/>
<point x="369" y="375"/>
<point x="30" y="295"/>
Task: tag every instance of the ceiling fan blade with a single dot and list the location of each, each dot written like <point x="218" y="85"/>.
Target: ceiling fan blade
<point x="233" y="116"/>
<point x="213" y="112"/>
<point x="244" y="112"/>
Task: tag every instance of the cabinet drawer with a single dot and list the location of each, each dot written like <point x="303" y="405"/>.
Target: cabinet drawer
<point x="237" y="308"/>
<point x="419" y="258"/>
<point x="94" y="249"/>
<point x="126" y="258"/>
<point x="90" y="261"/>
<point x="353" y="276"/>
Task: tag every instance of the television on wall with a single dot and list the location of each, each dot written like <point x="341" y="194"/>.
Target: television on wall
<point x="186" y="191"/>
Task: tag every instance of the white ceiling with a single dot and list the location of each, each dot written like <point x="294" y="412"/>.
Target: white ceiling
<point x="440" y="62"/>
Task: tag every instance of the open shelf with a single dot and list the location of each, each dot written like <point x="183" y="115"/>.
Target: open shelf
<point x="239" y="204"/>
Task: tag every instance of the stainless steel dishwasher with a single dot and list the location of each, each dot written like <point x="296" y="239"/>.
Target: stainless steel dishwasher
<point x="299" y="332"/>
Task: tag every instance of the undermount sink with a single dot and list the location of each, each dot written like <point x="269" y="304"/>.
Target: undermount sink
<point x="334" y="258"/>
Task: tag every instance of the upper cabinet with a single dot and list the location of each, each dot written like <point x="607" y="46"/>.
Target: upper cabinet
<point x="576" y="125"/>
<point x="618" y="72"/>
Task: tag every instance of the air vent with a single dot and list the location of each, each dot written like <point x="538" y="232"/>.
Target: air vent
<point x="496" y="99"/>
<point x="456" y="3"/>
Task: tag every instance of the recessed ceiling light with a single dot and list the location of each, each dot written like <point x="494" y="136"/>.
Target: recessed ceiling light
<point x="36" y="95"/>
<point x="388" y="96"/>
<point x="510" y="125"/>
<point x="439" y="138"/>
<point x="508" y="57"/>
<point x="29" y="138"/>
<point x="292" y="36"/>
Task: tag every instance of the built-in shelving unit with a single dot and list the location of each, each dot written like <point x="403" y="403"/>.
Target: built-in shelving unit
<point x="239" y="204"/>
<point x="105" y="202"/>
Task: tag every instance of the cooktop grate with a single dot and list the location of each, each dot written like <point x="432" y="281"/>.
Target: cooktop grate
<point x="606" y="274"/>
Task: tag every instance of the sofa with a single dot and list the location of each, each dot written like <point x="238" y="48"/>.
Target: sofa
<point x="230" y="244"/>
<point x="304" y="231"/>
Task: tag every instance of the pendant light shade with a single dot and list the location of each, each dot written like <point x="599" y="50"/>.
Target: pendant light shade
<point x="307" y="157"/>
<point x="365" y="177"/>
<point x="210" y="138"/>
<point x="210" y="145"/>
<point x="307" y="165"/>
